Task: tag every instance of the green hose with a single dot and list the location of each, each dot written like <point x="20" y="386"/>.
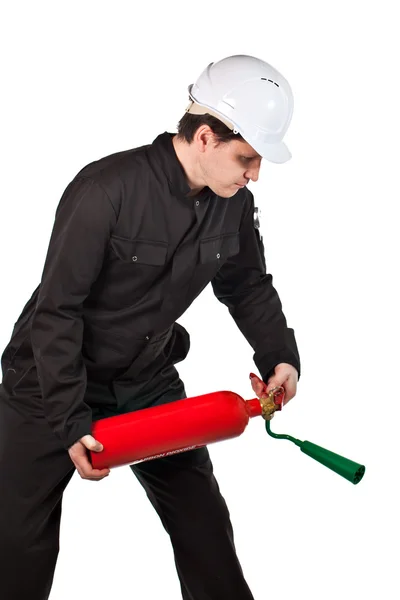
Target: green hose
<point x="281" y="436"/>
<point x="348" y="469"/>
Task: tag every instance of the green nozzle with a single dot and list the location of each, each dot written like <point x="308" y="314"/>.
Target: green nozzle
<point x="348" y="469"/>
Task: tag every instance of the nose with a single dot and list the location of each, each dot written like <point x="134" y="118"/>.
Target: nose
<point x="252" y="173"/>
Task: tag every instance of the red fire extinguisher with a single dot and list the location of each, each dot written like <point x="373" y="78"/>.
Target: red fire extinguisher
<point x="178" y="426"/>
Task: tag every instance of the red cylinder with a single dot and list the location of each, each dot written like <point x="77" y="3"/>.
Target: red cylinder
<point x="177" y="426"/>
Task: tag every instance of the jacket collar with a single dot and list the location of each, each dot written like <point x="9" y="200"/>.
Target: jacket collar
<point x="165" y="155"/>
<point x="164" y="152"/>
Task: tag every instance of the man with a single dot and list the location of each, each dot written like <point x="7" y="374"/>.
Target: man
<point x="137" y="236"/>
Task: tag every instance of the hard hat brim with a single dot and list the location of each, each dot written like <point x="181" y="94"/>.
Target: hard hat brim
<point x="277" y="153"/>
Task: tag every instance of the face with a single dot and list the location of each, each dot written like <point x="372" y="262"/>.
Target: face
<point x="229" y="166"/>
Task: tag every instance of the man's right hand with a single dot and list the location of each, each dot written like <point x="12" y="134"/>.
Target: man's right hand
<point x="79" y="456"/>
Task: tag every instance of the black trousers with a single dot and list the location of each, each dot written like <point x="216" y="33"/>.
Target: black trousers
<point x="35" y="470"/>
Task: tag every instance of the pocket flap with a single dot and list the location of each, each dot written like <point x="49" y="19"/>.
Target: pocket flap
<point x="143" y="252"/>
<point x="219" y="248"/>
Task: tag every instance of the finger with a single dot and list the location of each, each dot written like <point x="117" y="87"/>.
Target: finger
<point x="88" y="470"/>
<point x="258" y="388"/>
<point x="288" y="397"/>
<point x="290" y="389"/>
<point x="91" y="443"/>
<point x="82" y="472"/>
<point x="84" y="467"/>
<point x="262" y="394"/>
<point x="97" y="473"/>
<point x="92" y="477"/>
<point x="274" y="383"/>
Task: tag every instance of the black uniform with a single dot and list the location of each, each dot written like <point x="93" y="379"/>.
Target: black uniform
<point x="128" y="254"/>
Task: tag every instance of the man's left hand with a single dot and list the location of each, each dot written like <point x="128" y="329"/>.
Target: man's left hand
<point x="285" y="375"/>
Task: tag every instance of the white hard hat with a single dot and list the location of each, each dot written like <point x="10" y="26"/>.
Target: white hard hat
<point x="251" y="98"/>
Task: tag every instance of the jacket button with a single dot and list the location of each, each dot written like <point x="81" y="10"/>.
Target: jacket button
<point x="134" y="258"/>
<point x="147" y="337"/>
<point x="218" y="255"/>
<point x="197" y="203"/>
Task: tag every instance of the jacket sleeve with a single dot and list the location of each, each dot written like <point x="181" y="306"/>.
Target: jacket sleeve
<point x="83" y="224"/>
<point x="244" y="286"/>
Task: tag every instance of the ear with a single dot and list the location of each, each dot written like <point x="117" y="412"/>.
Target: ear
<point x="204" y="138"/>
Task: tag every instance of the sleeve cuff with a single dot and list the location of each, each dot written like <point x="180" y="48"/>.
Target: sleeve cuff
<point x="77" y="430"/>
<point x="268" y="374"/>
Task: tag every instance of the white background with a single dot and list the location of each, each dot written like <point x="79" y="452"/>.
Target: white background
<point x="81" y="80"/>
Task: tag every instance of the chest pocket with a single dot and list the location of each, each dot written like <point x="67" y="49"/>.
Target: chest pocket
<point x="217" y="250"/>
<point x="140" y="252"/>
<point x="136" y="266"/>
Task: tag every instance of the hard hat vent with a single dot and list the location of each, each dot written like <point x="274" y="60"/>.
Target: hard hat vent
<point x="274" y="82"/>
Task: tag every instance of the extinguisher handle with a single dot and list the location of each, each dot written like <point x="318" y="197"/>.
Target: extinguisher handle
<point x="277" y="394"/>
<point x="278" y="397"/>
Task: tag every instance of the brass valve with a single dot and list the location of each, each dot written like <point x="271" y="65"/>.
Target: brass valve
<point x="268" y="404"/>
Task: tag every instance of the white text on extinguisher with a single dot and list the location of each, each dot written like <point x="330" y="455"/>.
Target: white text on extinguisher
<point x="164" y="454"/>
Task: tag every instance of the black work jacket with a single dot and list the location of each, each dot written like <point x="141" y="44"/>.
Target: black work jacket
<point x="128" y="254"/>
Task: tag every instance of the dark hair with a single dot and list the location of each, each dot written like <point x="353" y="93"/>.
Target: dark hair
<point x="189" y="124"/>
